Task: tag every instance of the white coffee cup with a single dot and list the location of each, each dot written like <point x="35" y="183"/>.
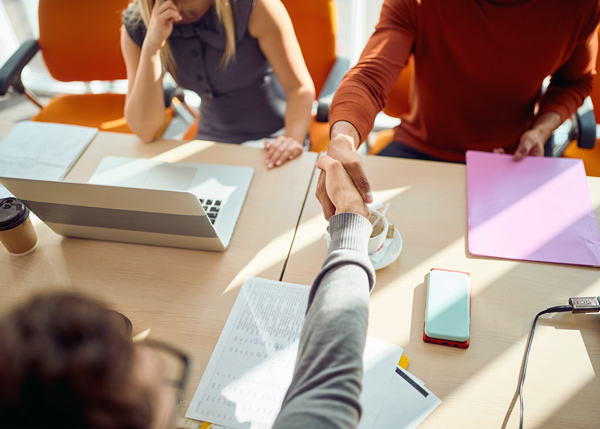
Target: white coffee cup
<point x="379" y="233"/>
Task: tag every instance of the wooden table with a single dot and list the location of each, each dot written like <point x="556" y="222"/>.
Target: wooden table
<point x="180" y="296"/>
<point x="477" y="386"/>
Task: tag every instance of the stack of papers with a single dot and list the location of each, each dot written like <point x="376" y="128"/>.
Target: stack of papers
<point x="251" y="368"/>
<point x="38" y="150"/>
<point x="407" y="402"/>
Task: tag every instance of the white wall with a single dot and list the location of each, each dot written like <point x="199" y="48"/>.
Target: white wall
<point x="8" y="40"/>
<point x="357" y="19"/>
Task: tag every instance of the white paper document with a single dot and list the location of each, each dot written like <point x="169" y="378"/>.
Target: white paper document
<point x="407" y="402"/>
<point x="379" y="360"/>
<point x="253" y="362"/>
<point x="39" y="150"/>
<point x="252" y="365"/>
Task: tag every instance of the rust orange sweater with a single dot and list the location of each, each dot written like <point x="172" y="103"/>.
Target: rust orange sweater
<point x="479" y="67"/>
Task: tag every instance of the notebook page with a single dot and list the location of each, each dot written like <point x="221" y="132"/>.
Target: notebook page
<point x="38" y="150"/>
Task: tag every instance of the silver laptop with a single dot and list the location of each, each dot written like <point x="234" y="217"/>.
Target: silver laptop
<point x="145" y="201"/>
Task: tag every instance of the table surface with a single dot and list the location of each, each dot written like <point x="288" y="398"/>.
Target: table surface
<point x="185" y="296"/>
<point x="181" y="296"/>
<point x="477" y="386"/>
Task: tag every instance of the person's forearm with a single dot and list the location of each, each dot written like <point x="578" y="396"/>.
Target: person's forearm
<point x="144" y="108"/>
<point x="326" y="386"/>
<point x="344" y="136"/>
<point x="363" y="92"/>
<point x="563" y="99"/>
<point x="298" y="113"/>
<point x="545" y="124"/>
<point x="573" y="81"/>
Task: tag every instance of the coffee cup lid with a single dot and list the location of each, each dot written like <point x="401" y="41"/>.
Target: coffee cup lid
<point x="12" y="213"/>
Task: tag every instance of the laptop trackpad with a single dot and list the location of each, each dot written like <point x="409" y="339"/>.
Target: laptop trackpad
<point x="170" y="177"/>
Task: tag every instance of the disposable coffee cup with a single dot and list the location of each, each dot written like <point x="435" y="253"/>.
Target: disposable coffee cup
<point x="123" y="322"/>
<point x="16" y="230"/>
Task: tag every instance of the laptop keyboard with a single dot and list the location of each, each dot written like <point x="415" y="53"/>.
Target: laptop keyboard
<point x="211" y="207"/>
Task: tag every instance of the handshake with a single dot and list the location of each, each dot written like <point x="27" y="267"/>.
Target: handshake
<point x="336" y="190"/>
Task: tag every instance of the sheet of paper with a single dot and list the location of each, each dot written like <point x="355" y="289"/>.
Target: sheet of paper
<point x="379" y="361"/>
<point x="38" y="150"/>
<point x="407" y="402"/>
<point x="538" y="209"/>
<point x="252" y="364"/>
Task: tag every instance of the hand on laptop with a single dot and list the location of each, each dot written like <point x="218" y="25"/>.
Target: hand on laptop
<point x="340" y="188"/>
<point x="281" y="150"/>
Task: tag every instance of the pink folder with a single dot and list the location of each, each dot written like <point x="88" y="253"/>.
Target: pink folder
<point x="538" y="209"/>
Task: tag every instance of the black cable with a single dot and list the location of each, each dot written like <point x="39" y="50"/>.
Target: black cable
<point x="586" y="304"/>
<point x="557" y="309"/>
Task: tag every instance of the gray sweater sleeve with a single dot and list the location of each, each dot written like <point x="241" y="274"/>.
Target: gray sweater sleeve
<point x="327" y="379"/>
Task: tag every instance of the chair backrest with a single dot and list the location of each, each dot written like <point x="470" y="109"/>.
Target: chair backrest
<point x="315" y="24"/>
<point x="80" y="40"/>
<point x="399" y="98"/>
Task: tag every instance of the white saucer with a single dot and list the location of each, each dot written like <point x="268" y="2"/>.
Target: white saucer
<point x="391" y="250"/>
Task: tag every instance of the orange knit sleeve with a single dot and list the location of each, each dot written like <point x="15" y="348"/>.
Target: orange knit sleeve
<point x="572" y="82"/>
<point x="363" y="91"/>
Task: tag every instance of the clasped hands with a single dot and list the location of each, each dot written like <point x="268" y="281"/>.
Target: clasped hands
<point x="343" y="186"/>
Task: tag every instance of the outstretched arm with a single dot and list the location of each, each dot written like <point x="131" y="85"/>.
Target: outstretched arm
<point x="363" y="91"/>
<point x="326" y="386"/>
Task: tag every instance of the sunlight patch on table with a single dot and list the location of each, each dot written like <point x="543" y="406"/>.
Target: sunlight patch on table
<point x="552" y="379"/>
<point x="312" y="230"/>
<point x="141" y="336"/>
<point x="389" y="194"/>
<point x="453" y="256"/>
<point x="183" y="151"/>
<point x="272" y="254"/>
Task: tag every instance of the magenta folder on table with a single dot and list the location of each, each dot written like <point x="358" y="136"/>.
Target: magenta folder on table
<point x="538" y="209"/>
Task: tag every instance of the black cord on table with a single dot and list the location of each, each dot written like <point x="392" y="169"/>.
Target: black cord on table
<point x="557" y="309"/>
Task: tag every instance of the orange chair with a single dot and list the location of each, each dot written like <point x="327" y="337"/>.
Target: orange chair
<point x="79" y="41"/>
<point x="315" y="24"/>
<point x="583" y="143"/>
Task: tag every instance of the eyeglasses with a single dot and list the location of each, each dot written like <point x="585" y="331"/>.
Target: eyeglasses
<point x="174" y="364"/>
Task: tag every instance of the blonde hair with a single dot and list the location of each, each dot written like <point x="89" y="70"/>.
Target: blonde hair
<point x="141" y="10"/>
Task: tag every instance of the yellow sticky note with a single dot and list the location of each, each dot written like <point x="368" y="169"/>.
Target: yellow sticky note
<point x="403" y="363"/>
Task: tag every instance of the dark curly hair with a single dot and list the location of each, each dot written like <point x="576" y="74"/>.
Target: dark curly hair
<point x="66" y="361"/>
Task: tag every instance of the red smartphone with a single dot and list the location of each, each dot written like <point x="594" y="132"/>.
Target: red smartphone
<point x="461" y="345"/>
<point x="448" y="311"/>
